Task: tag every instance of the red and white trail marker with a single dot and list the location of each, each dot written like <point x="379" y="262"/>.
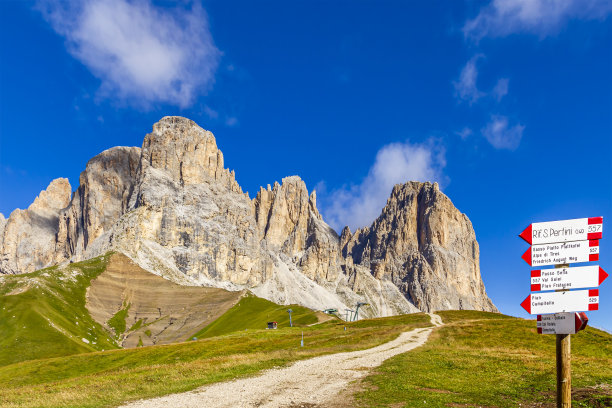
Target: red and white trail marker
<point x="562" y="253"/>
<point x="562" y="323"/>
<point x="567" y="278"/>
<point x="579" y="229"/>
<point x="558" y="302"/>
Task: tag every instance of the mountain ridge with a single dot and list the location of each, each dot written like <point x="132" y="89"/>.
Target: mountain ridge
<point x="174" y="209"/>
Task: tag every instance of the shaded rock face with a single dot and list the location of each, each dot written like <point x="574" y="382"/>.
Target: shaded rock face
<point x="28" y="236"/>
<point x="101" y="199"/>
<point x="174" y="209"/>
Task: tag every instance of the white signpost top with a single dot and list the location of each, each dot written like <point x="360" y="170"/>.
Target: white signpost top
<point x="579" y="229"/>
<point x="557" y="302"/>
<point x="567" y="278"/>
<point x="562" y="253"/>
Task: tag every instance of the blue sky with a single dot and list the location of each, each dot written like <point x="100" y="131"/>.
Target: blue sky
<point x="508" y="104"/>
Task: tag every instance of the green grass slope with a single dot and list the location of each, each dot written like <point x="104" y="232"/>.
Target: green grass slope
<point x="43" y="314"/>
<point x="109" y="378"/>
<point x="488" y="359"/>
<point x="253" y="312"/>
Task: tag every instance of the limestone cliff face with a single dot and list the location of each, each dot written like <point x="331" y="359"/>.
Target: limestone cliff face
<point x="28" y="236"/>
<point x="101" y="199"/>
<point x="426" y="247"/>
<point x="173" y="208"/>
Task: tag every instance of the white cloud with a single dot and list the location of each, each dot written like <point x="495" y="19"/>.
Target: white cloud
<point x="501" y="89"/>
<point x="465" y="87"/>
<point x="141" y="53"/>
<point x="359" y="205"/>
<point x="541" y="17"/>
<point x="500" y="135"/>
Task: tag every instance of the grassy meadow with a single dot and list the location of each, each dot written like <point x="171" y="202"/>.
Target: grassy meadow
<point x="43" y="313"/>
<point x="104" y="379"/>
<point x="481" y="359"/>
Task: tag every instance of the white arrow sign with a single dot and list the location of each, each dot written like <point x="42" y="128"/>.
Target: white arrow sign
<point x="560" y="323"/>
<point x="562" y="253"/>
<point x="580" y="229"/>
<point x="557" y="302"/>
<point x="567" y="278"/>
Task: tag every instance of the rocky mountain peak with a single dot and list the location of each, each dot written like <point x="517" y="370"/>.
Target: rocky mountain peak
<point x="186" y="152"/>
<point x="173" y="208"/>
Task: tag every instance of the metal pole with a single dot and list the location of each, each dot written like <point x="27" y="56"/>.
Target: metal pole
<point x="564" y="371"/>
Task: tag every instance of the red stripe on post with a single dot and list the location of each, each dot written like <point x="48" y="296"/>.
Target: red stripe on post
<point x="594" y="243"/>
<point x="535" y="288"/>
<point x="536" y="274"/>
<point x="595" y="220"/>
<point x="594" y="306"/>
<point x="594" y="235"/>
<point x="539" y="318"/>
<point x="593" y="292"/>
<point x="539" y="330"/>
<point x="593" y="257"/>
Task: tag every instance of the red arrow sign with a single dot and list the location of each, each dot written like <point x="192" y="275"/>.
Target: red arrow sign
<point x="557" y="302"/>
<point x="590" y="276"/>
<point x="562" y="323"/>
<point x="579" y="229"/>
<point x="562" y="253"/>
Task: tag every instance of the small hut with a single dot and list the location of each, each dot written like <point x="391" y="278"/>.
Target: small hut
<point x="272" y="325"/>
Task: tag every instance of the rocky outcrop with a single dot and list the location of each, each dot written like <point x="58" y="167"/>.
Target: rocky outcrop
<point x="101" y="199"/>
<point x="426" y="247"/>
<point x="28" y="236"/>
<point x="175" y="210"/>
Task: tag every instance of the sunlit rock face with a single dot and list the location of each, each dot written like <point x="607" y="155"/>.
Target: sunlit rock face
<point x="426" y="247"/>
<point x="173" y="208"/>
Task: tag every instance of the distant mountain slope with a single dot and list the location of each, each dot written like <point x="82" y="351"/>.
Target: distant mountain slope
<point x="174" y="209"/>
<point x="141" y="308"/>
<point x="43" y="314"/>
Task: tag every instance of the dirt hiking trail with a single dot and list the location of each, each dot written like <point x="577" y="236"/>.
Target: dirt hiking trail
<point x="312" y="382"/>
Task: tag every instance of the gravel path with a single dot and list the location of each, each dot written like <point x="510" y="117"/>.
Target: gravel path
<point x="304" y="383"/>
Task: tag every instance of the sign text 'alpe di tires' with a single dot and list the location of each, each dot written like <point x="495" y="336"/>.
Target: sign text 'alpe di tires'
<point x="562" y="253"/>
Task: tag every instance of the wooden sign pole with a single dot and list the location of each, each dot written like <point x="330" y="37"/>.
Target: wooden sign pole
<point x="564" y="371"/>
<point x="564" y="366"/>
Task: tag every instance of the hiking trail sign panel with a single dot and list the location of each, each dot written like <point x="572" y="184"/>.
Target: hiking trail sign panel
<point x="579" y="229"/>
<point x="558" y="302"/>
<point x="562" y="253"/>
<point x="561" y="323"/>
<point x="567" y="278"/>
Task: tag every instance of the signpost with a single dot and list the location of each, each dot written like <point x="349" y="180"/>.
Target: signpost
<point x="567" y="278"/>
<point x="558" y="302"/>
<point x="561" y="323"/>
<point x="562" y="253"/>
<point x="560" y="243"/>
<point x="580" y="229"/>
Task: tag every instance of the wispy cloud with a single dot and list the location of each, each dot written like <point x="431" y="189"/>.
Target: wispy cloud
<point x="141" y="53"/>
<point x="359" y="205"/>
<point x="210" y="112"/>
<point x="501" y="89"/>
<point x="501" y="135"/>
<point x="231" y="121"/>
<point x="464" y="133"/>
<point x="465" y="87"/>
<point x="541" y="17"/>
